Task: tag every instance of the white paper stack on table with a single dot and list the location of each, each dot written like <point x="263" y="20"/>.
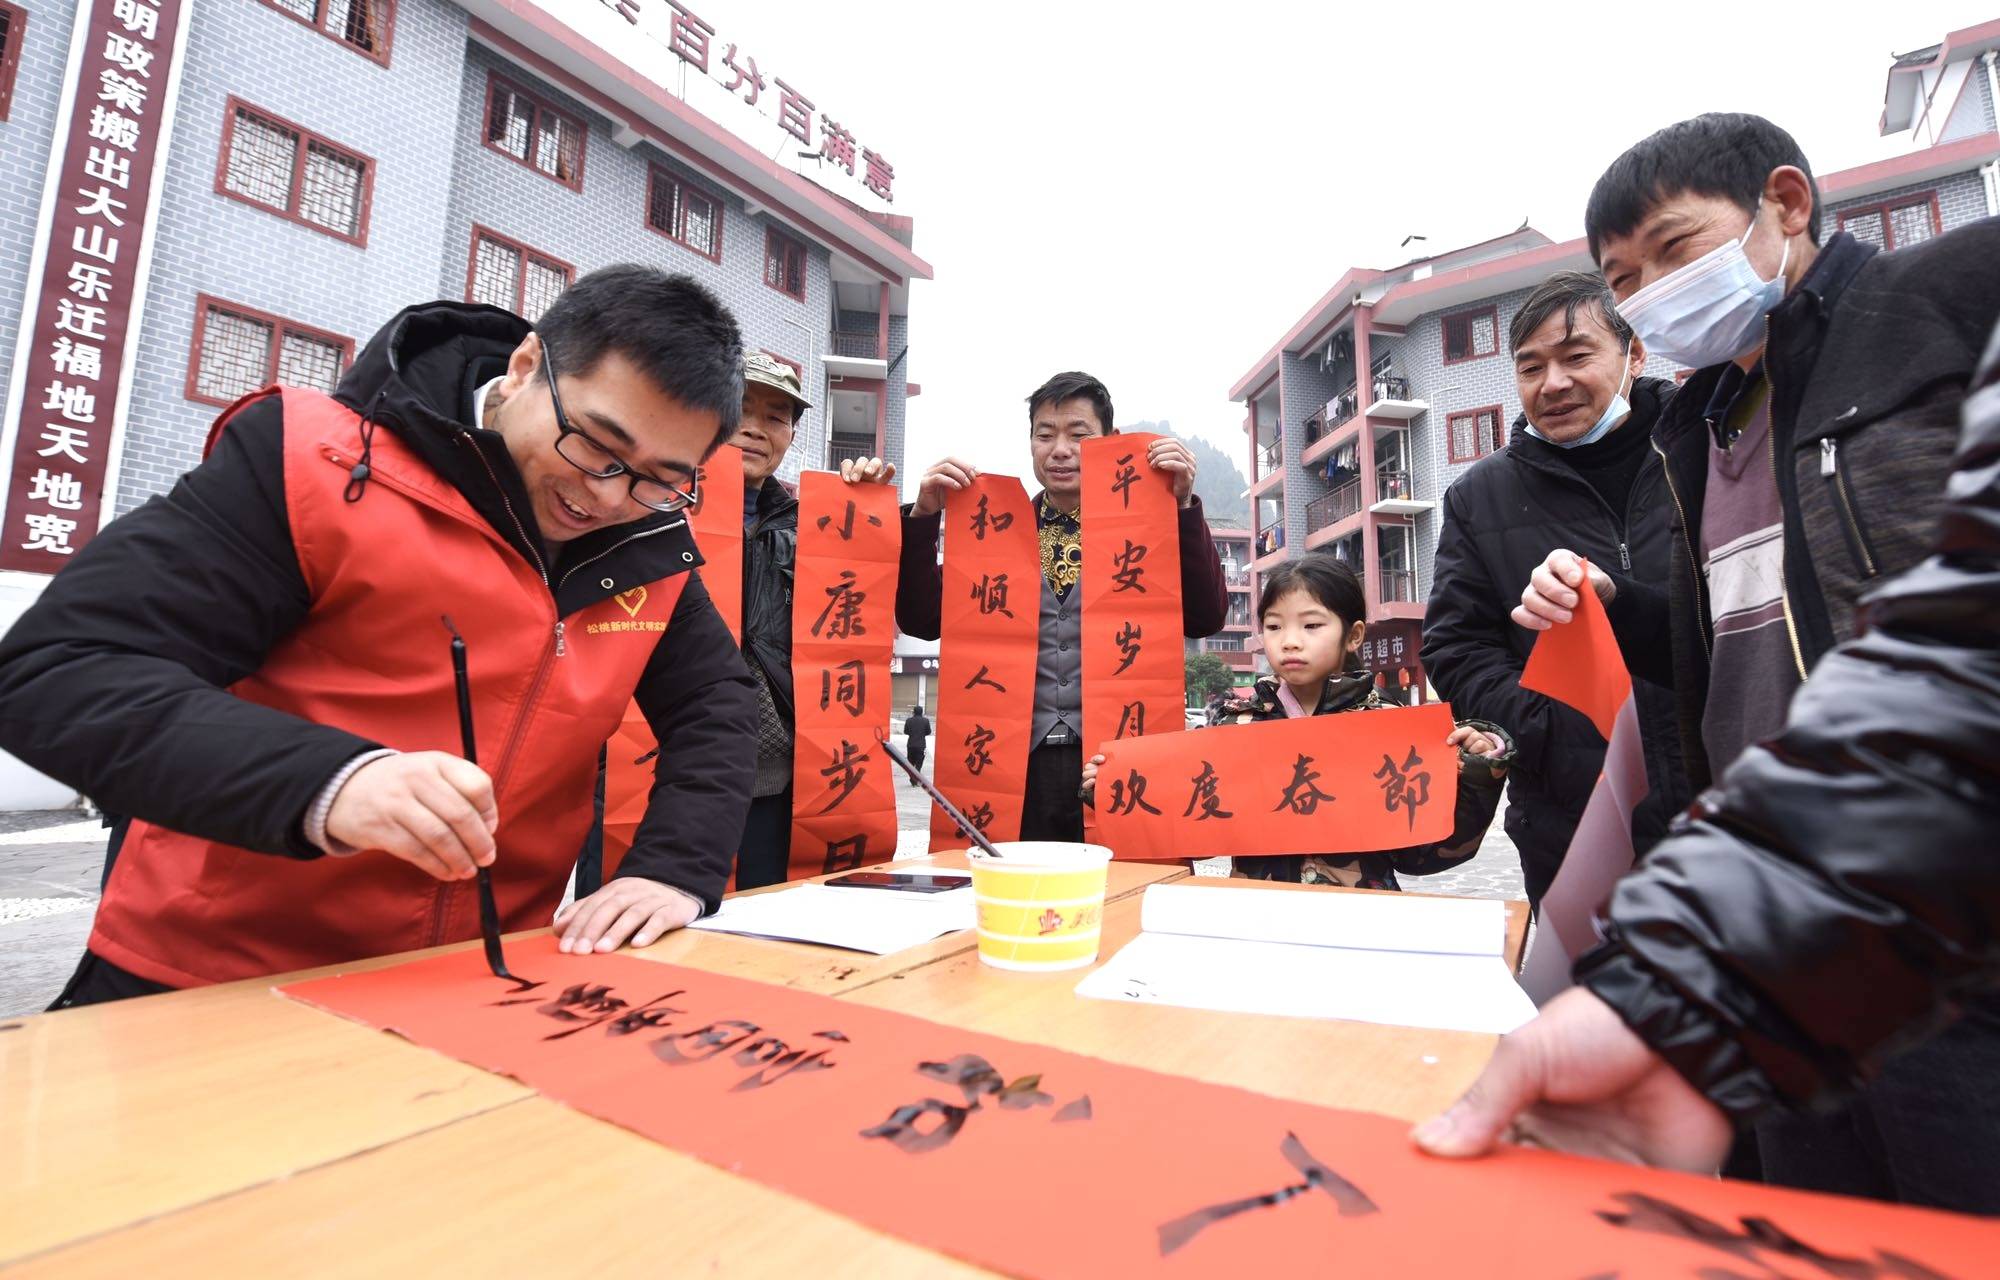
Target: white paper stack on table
<point x="1396" y="959"/>
<point x="874" y="920"/>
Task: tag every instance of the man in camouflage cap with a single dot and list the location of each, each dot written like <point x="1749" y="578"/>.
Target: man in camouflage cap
<point x="773" y="404"/>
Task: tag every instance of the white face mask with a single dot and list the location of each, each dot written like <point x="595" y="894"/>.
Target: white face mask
<point x="1613" y="414"/>
<point x="1710" y="311"/>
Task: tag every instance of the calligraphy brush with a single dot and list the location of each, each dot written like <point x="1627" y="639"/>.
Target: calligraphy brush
<point x="972" y="832"/>
<point x="489" y="911"/>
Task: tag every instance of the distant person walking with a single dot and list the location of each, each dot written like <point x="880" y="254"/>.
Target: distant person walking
<point x="918" y="729"/>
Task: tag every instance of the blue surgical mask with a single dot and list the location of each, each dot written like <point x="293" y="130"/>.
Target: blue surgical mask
<point x="1614" y="413"/>
<point x="1710" y="311"/>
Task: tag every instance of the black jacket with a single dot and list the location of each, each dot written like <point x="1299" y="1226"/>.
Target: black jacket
<point x="116" y="680"/>
<point x="1840" y="892"/>
<point x="770" y="558"/>
<point x="1501" y="520"/>
<point x="1868" y="360"/>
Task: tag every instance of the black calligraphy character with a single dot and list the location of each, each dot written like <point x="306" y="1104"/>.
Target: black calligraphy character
<point x="1129" y="794"/>
<point x="991" y="593"/>
<point x="1401" y="786"/>
<point x="848" y="689"/>
<point x="1654" y="1216"/>
<point x="977" y="1078"/>
<point x="1126" y="576"/>
<point x="1206" y="796"/>
<point x="1128" y="475"/>
<point x="982" y="520"/>
<point x="844" y="774"/>
<point x="976" y="755"/>
<point x="1128" y="645"/>
<point x="846" y="855"/>
<point x="982" y="678"/>
<point x="1131" y="721"/>
<point x="593" y="1006"/>
<point x="980" y="815"/>
<point x="901" y="1126"/>
<point x="846" y="530"/>
<point x="1353" y="1202"/>
<point x="774" y="1060"/>
<point x="1303" y="795"/>
<point x="843" y="606"/>
<point x="703" y="1043"/>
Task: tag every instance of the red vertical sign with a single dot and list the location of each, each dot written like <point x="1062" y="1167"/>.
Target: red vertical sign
<point x="986" y="678"/>
<point x="843" y="632"/>
<point x="1134" y="669"/>
<point x="78" y="324"/>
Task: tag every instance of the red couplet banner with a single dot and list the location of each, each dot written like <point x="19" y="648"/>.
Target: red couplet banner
<point x="1134" y="671"/>
<point x="717" y="525"/>
<point x="1353" y="783"/>
<point x="1578" y="663"/>
<point x="843" y="634"/>
<point x="1036" y="1162"/>
<point x="986" y="666"/>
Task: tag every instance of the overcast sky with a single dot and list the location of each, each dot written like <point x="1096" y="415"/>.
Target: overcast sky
<point x="1156" y="193"/>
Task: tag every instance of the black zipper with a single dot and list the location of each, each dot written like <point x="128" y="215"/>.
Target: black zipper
<point x="465" y="437"/>
<point x="1694" y="565"/>
<point x="1850" y="514"/>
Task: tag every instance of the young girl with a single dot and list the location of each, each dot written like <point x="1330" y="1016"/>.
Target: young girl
<point x="1311" y="610"/>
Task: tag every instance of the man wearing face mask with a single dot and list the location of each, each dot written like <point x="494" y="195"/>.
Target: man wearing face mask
<point x="1062" y="413"/>
<point x="1578" y="471"/>
<point x="1836" y="894"/>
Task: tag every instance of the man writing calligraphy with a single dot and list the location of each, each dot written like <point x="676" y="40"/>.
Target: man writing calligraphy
<point x="1062" y="413"/>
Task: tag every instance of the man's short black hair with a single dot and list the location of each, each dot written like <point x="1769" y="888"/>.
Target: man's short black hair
<point x="677" y="333"/>
<point x="1565" y="291"/>
<point x="1724" y="153"/>
<point x="1065" y="387"/>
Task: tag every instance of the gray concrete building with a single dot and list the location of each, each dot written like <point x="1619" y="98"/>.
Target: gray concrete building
<point x="323" y="163"/>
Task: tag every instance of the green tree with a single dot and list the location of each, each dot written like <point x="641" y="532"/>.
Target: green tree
<point x="1208" y="676"/>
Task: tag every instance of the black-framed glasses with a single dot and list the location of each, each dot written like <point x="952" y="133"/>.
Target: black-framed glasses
<point x="593" y="459"/>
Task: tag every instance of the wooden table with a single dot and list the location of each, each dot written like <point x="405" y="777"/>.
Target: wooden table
<point x="226" y="1129"/>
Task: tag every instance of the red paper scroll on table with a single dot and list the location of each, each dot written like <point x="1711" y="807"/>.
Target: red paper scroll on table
<point x="1036" y="1162"/>
<point x="1134" y="668"/>
<point x="986" y="668"/>
<point x="1358" y="782"/>
<point x="717" y="525"/>
<point x="843" y="631"/>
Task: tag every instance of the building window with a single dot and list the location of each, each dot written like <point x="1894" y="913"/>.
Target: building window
<point x="784" y="263"/>
<point x="507" y="273"/>
<point x="529" y="131"/>
<point x="13" y="29"/>
<point x="1897" y="224"/>
<point x="1470" y="335"/>
<point x="1474" y="433"/>
<point x="362" y="25"/>
<point x="238" y="350"/>
<point x="275" y="164"/>
<point x="684" y="214"/>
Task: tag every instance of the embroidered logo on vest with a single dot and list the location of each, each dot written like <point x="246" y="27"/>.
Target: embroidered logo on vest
<point x="632" y="601"/>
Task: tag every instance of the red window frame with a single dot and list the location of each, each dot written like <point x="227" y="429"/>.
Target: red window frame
<point x="1886" y="207"/>
<point x="1444" y="334"/>
<point x="290" y="210"/>
<point x="10" y="55"/>
<point x="656" y="175"/>
<point x="204" y="302"/>
<point x="318" y="23"/>
<point x="526" y="252"/>
<point x="788" y="362"/>
<point x="541" y="105"/>
<point x="777" y="240"/>
<point x="1482" y="446"/>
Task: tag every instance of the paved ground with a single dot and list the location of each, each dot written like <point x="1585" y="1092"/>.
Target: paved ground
<point x="50" y="864"/>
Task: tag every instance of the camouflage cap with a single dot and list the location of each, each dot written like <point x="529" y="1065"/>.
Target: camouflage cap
<point x="769" y="371"/>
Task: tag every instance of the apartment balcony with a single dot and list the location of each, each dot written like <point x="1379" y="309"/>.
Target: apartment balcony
<point x="839" y="450"/>
<point x="1269" y="547"/>
<point x="1394" y="495"/>
<point x="1399" y="586"/>
<point x="1394" y="399"/>
<point x="1329" y="509"/>
<point x="856" y="353"/>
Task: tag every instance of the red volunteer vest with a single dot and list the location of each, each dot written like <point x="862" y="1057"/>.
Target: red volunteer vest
<point x="372" y="657"/>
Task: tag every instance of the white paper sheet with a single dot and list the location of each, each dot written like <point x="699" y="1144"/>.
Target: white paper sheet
<point x="1431" y="963"/>
<point x="873" y="920"/>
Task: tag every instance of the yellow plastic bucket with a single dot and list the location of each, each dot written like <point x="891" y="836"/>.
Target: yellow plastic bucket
<point x="1041" y="904"/>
